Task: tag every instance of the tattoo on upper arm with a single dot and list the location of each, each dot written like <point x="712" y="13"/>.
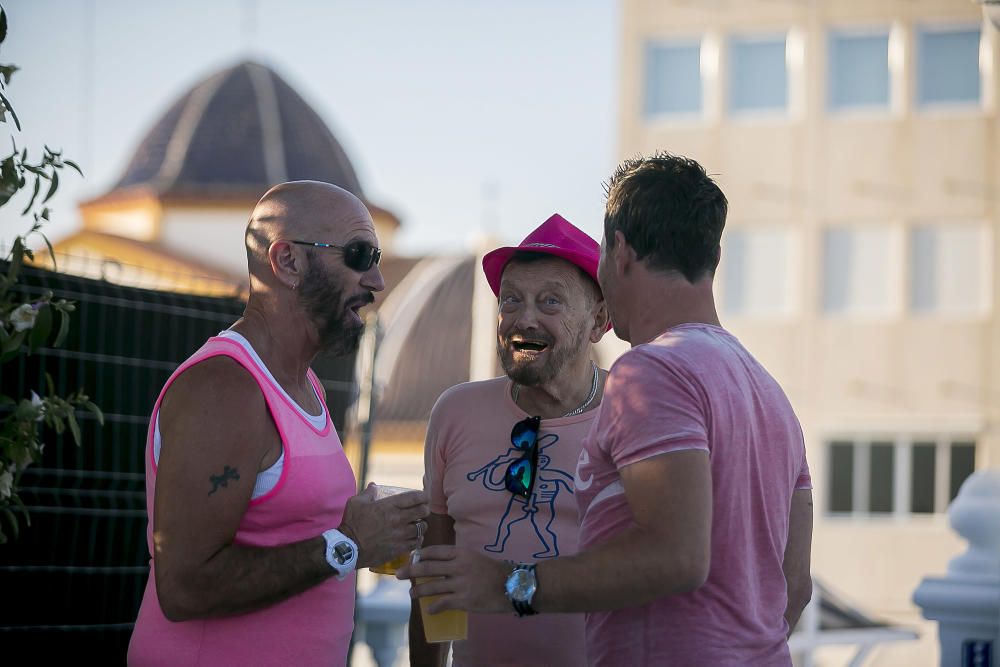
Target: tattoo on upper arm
<point x="229" y="473"/>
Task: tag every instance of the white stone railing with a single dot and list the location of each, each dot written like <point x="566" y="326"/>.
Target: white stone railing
<point x="966" y="601"/>
<point x="383" y="615"/>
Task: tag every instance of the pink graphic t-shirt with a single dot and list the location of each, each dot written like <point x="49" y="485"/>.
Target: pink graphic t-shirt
<point x="697" y="387"/>
<point x="467" y="453"/>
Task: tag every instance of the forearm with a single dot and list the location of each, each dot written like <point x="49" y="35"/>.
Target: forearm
<point x="798" y="598"/>
<point x="632" y="569"/>
<point x="241" y="579"/>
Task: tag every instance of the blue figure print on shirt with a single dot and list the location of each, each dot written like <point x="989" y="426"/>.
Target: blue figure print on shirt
<point x="539" y="509"/>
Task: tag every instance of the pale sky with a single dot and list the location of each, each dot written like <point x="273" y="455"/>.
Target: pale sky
<point x="459" y="116"/>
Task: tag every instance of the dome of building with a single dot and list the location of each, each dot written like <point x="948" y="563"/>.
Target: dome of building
<point x="234" y="135"/>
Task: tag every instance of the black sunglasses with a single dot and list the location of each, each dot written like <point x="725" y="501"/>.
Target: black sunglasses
<point x="358" y="255"/>
<point x="520" y="476"/>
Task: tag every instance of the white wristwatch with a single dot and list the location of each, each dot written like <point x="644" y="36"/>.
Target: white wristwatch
<point x="341" y="552"/>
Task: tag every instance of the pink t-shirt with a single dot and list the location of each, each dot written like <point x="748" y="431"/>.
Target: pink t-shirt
<point x="467" y="453"/>
<point x="696" y="387"/>
<point x="311" y="628"/>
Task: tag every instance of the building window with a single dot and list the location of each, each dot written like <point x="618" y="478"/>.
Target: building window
<point x="858" y="70"/>
<point x="948" y="66"/>
<point x="857" y="270"/>
<point x="756" y="272"/>
<point x="673" y="78"/>
<point x="896" y="475"/>
<point x="948" y="269"/>
<point x="758" y="74"/>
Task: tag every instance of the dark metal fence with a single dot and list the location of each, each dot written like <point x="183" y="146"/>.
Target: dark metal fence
<point x="70" y="586"/>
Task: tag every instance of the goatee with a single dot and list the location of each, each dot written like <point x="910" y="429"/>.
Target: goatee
<point x="323" y="301"/>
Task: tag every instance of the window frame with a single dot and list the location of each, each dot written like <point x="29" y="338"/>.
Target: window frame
<point x="782" y="114"/>
<point x="902" y="471"/>
<point x="984" y="310"/>
<point x="891" y="33"/>
<point x="951" y="107"/>
<point x="794" y="243"/>
<point x="700" y="40"/>
<point x="896" y="282"/>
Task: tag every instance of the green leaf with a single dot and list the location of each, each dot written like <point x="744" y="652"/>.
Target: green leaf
<point x="34" y="194"/>
<point x="50" y="384"/>
<point x="52" y="187"/>
<point x="6" y="71"/>
<point x="43" y="327"/>
<point x="6" y="400"/>
<point x="63" y="328"/>
<point x="96" y="410"/>
<point x="11" y="346"/>
<point x="52" y="251"/>
<point x="74" y="427"/>
<point x="45" y="214"/>
<point x="3" y="25"/>
<point x="16" y="257"/>
<point x="21" y="506"/>
<point x="13" y="521"/>
<point x="5" y="104"/>
<point x="70" y="163"/>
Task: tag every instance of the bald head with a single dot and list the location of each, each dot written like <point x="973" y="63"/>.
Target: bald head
<point x="301" y="210"/>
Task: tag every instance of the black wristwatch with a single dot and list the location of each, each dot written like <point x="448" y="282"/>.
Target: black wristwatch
<point x="520" y="588"/>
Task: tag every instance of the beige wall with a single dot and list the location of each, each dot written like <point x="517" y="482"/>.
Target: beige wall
<point x="898" y="373"/>
<point x="213" y="236"/>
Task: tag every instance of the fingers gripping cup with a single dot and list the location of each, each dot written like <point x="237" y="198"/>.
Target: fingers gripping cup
<point x="399" y="561"/>
<point x="451" y="625"/>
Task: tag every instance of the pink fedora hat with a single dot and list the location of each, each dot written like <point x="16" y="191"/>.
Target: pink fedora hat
<point x="557" y="237"/>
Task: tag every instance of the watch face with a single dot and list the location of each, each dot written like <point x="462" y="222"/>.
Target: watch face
<point x="521" y="585"/>
<point x="343" y="552"/>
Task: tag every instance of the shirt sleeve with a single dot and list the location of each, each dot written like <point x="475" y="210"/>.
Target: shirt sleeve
<point x="650" y="407"/>
<point x="805" y="479"/>
<point x="434" y="461"/>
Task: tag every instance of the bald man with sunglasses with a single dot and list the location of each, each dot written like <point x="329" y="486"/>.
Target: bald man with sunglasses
<point x="500" y="453"/>
<point x="255" y="525"/>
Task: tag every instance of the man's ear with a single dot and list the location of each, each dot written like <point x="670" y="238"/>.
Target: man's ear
<point x="601" y="318"/>
<point x="288" y="263"/>
<point x="624" y="254"/>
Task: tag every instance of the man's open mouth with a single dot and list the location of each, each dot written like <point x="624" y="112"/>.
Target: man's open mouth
<point x="529" y="346"/>
<point x="359" y="302"/>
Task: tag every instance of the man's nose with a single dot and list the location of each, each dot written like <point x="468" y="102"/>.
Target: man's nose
<point x="372" y="279"/>
<point x="527" y="317"/>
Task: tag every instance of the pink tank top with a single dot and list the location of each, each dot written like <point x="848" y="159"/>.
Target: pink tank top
<point x="312" y="628"/>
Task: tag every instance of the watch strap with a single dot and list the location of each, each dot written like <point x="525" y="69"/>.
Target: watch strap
<point x="523" y="607"/>
<point x="341" y="552"/>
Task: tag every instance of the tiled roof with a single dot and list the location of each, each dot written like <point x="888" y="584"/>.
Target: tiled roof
<point x="235" y="134"/>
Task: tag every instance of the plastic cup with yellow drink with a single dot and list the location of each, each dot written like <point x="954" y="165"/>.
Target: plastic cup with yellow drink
<point x="399" y="561"/>
<point x="451" y="625"/>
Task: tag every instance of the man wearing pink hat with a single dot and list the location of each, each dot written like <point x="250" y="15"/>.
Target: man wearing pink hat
<point x="693" y="490"/>
<point x="500" y="454"/>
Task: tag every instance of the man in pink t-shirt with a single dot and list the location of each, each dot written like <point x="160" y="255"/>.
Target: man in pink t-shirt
<point x="500" y="453"/>
<point x="693" y="489"/>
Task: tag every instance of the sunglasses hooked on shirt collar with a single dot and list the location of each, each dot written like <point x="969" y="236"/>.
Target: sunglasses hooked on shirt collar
<point x="520" y="476"/>
<point x="358" y="255"/>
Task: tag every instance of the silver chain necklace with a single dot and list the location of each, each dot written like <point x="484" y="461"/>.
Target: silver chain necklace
<point x="583" y="406"/>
